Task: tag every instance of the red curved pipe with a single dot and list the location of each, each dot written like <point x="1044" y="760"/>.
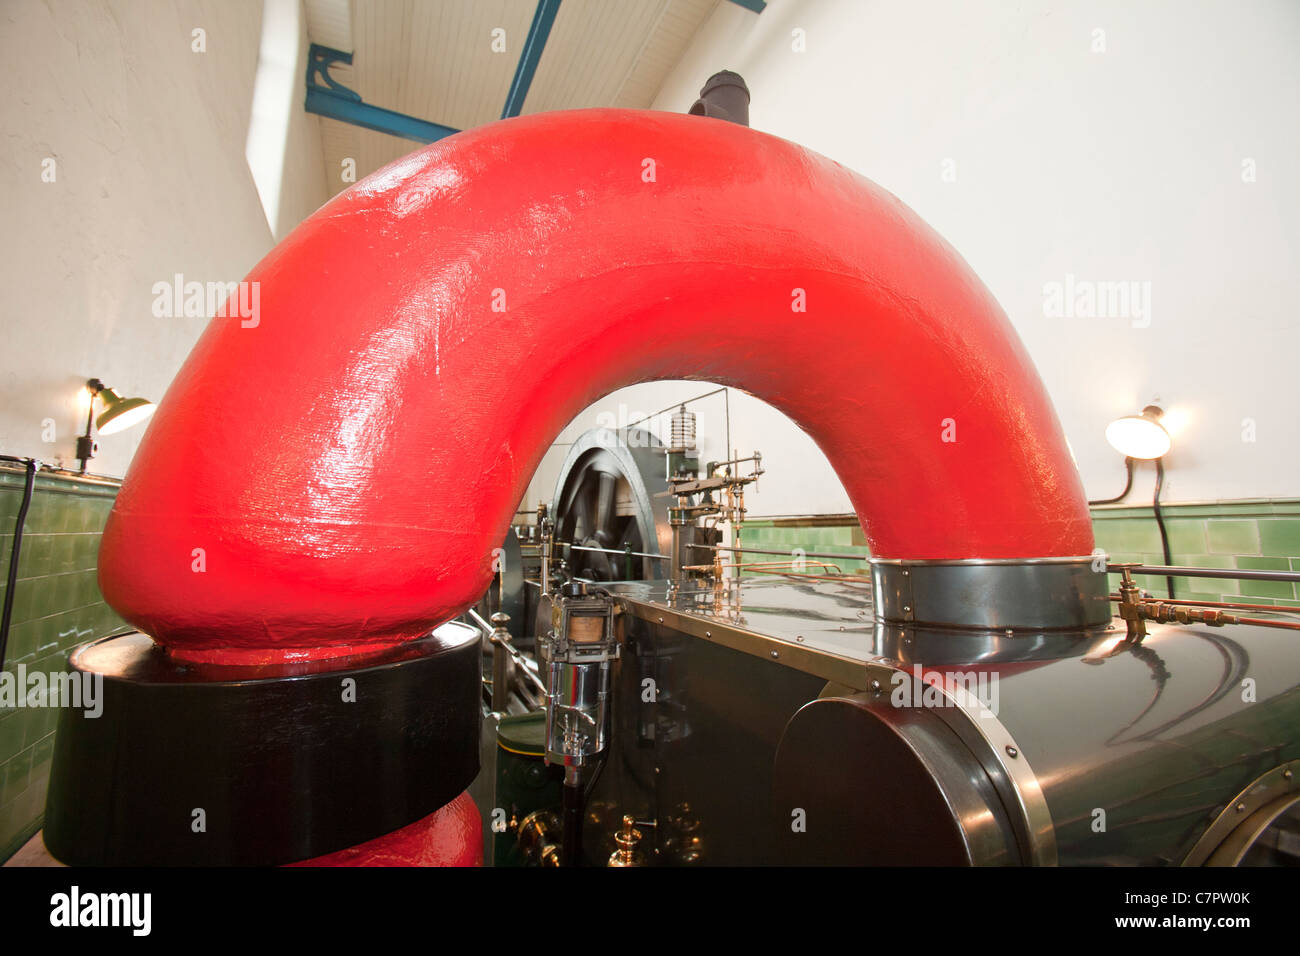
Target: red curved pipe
<point x="348" y="464"/>
<point x="450" y="836"/>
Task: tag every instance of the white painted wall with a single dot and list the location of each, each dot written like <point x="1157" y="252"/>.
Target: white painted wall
<point x="151" y="180"/>
<point x="1119" y="165"/>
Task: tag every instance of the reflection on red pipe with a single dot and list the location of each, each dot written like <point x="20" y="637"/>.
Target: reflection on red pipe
<point x="338" y="472"/>
<point x="451" y="836"/>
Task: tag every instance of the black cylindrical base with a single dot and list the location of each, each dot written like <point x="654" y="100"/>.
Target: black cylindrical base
<point x="191" y="764"/>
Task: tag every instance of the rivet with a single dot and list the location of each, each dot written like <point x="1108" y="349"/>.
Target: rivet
<point x="906" y="573"/>
<point x="1287" y="775"/>
<point x="907" y="610"/>
<point x="875" y="685"/>
<point x="1241" y="808"/>
<point x="1012" y="751"/>
<point x="1010" y="632"/>
<point x="799" y="637"/>
<point x="661" y="620"/>
<point x="708" y="633"/>
<point x="775" y="654"/>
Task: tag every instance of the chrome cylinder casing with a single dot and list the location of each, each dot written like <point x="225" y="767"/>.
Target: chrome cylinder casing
<point x="1020" y="593"/>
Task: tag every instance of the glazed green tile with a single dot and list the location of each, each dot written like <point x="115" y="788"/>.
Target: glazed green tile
<point x="1279" y="536"/>
<point x="43" y="515"/>
<point x="1200" y="596"/>
<point x="81" y="517"/>
<point x="1264" y="599"/>
<point x="1275" y="589"/>
<point x="13" y="775"/>
<point x="1232" y="536"/>
<point x="23" y="641"/>
<point x="43" y="754"/>
<point x="1121" y="557"/>
<point x="841" y="537"/>
<point x="23" y="818"/>
<point x="86" y="550"/>
<point x="1186" y="536"/>
<point x="62" y="551"/>
<point x="1226" y="585"/>
<point x="87" y="588"/>
<point x="1129" y="535"/>
<point x="1257" y="563"/>
<point x="29" y="598"/>
<point x="39" y="555"/>
<point x="1269" y="589"/>
<point x="46" y="723"/>
<point x="12" y="730"/>
<point x="100" y="506"/>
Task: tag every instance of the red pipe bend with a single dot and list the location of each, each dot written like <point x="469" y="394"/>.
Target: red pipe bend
<point x="348" y="464"/>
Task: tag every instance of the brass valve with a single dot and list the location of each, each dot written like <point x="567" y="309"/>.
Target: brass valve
<point x="628" y="840"/>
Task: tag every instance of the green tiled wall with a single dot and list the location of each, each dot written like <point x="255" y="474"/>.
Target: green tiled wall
<point x="57" y="605"/>
<point x="1261" y="533"/>
<point x="830" y="534"/>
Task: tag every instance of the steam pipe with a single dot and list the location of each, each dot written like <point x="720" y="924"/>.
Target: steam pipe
<point x="366" y="462"/>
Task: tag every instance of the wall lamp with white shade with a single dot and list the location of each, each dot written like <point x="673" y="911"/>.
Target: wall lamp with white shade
<point x="1143" y="437"/>
<point x="118" y="414"/>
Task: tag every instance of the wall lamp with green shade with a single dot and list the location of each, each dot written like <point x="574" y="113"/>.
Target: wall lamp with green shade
<point x="1143" y="437"/>
<point x="117" y="415"/>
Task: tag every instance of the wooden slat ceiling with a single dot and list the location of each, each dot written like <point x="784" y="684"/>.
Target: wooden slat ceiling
<point x="434" y="59"/>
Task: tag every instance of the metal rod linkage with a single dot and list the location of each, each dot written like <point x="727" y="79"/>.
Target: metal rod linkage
<point x="1239" y="574"/>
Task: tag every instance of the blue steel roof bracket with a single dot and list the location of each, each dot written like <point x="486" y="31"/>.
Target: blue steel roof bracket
<point x="326" y="96"/>
<point x="534" y="43"/>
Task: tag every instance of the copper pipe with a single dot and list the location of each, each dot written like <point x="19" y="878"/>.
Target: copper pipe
<point x="1263" y="622"/>
<point x="1229" y="604"/>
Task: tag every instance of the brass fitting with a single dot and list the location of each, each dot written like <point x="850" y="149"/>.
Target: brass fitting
<point x="628" y="840"/>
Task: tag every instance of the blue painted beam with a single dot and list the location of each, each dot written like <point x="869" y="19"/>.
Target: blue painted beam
<point x="331" y="98"/>
<point x="758" y="6"/>
<point x="543" y="20"/>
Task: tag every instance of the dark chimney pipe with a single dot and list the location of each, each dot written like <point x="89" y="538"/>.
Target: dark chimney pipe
<point x="725" y="96"/>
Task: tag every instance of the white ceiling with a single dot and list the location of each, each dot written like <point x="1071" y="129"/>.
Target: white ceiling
<point x="433" y="59"/>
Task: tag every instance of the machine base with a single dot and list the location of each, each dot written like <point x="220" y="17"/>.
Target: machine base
<point x="205" y="765"/>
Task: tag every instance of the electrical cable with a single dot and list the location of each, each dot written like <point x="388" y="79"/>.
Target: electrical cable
<point x="1160" y="522"/>
<point x="1128" y="485"/>
<point x="11" y="584"/>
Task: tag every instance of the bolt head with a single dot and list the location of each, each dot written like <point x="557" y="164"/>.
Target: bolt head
<point x="1012" y="751"/>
